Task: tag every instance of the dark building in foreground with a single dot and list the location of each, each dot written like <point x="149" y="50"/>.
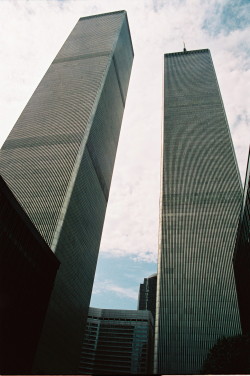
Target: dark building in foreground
<point x="58" y="161"/>
<point x="147" y="294"/>
<point x="200" y="203"/>
<point x="242" y="257"/>
<point x="27" y="271"/>
<point x="117" y="342"/>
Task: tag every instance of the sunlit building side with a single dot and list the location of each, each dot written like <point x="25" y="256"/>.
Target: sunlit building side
<point x="58" y="161"/>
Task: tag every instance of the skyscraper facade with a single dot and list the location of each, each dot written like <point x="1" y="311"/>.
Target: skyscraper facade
<point x="200" y="202"/>
<point x="147" y="294"/>
<point x="58" y="161"/>
<point x="242" y="256"/>
<point x="117" y="341"/>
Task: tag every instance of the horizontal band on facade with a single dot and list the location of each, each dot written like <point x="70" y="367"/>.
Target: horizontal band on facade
<point x="80" y="57"/>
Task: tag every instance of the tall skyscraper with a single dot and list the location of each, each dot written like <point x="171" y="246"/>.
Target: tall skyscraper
<point x="117" y="342"/>
<point x="147" y="294"/>
<point x="200" y="202"/>
<point x="58" y="161"/>
<point x="242" y="257"/>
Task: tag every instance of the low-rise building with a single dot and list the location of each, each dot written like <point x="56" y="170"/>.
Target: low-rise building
<point x="117" y="341"/>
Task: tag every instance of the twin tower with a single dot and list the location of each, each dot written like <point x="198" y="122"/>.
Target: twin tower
<point x="58" y="162"/>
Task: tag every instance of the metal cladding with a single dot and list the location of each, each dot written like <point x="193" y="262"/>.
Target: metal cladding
<point x="117" y="342"/>
<point x="242" y="256"/>
<point x="200" y="202"/>
<point x="58" y="161"/>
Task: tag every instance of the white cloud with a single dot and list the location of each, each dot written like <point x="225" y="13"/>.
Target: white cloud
<point x="32" y="33"/>
<point x="109" y="286"/>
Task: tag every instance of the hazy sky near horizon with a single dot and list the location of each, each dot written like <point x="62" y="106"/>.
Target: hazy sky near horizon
<point x="33" y="31"/>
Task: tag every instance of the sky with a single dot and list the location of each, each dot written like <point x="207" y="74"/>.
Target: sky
<point x="33" y="31"/>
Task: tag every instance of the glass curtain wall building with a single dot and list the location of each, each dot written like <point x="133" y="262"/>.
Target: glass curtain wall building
<point x="242" y="257"/>
<point x="200" y="203"/>
<point x="58" y="162"/>
<point x="117" y="342"/>
<point x="147" y="294"/>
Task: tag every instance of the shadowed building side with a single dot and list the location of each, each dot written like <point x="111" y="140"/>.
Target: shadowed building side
<point x="27" y="272"/>
<point x="242" y="257"/>
<point x="147" y="294"/>
<point x="200" y="203"/>
<point x="58" y="161"/>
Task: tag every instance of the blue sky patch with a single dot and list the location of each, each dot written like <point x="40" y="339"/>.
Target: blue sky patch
<point x="232" y="16"/>
<point x="117" y="281"/>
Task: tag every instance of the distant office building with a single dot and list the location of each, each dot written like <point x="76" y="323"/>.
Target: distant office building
<point x="147" y="294"/>
<point x="117" y="342"/>
<point x="27" y="271"/>
<point x="58" y="161"/>
<point x="200" y="204"/>
<point x="242" y="257"/>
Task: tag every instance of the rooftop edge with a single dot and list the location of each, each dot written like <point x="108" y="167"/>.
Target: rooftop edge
<point x="102" y="14"/>
<point x="187" y="52"/>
